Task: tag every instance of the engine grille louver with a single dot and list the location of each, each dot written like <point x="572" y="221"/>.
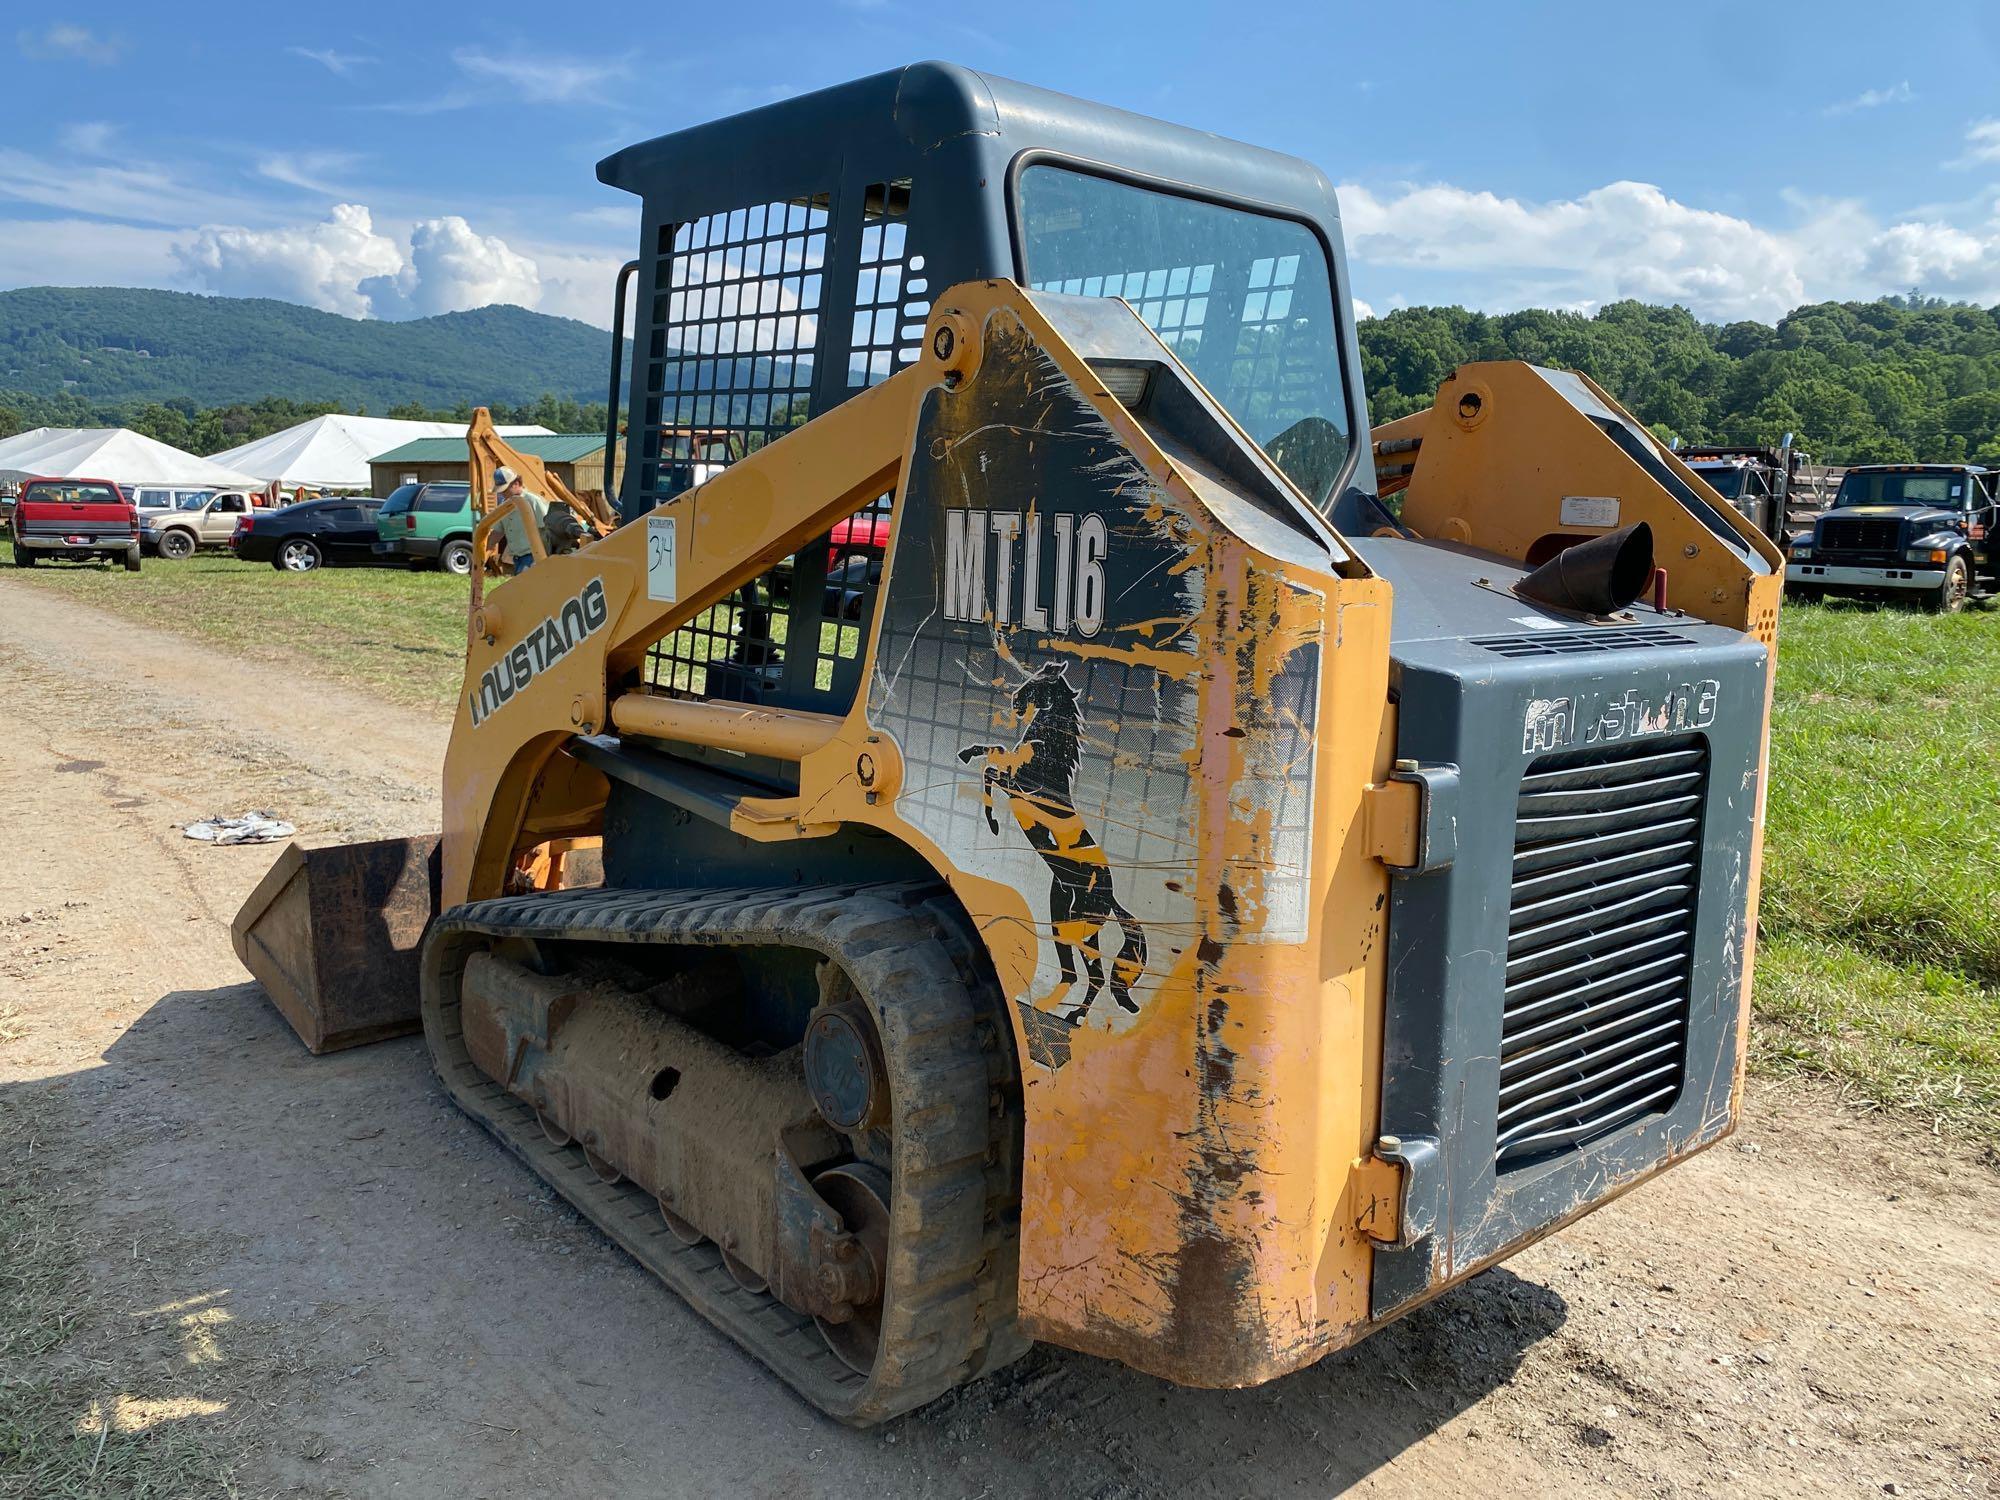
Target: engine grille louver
<point x="1575" y="642"/>
<point x="1607" y="860"/>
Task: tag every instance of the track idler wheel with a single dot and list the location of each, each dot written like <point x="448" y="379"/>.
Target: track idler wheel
<point x="853" y="1269"/>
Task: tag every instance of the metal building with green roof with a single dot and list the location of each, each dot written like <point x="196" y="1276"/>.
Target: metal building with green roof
<point x="576" y="458"/>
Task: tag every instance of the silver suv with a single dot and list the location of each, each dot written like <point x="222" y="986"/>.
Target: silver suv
<point x="198" y="518"/>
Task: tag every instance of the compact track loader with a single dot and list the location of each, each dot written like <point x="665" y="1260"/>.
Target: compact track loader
<point x="1057" y="834"/>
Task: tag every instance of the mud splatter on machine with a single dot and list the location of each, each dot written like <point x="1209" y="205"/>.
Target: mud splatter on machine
<point x="1036" y="825"/>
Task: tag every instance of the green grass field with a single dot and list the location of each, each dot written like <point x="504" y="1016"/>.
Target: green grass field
<point x="399" y="633"/>
<point x="1879" y="962"/>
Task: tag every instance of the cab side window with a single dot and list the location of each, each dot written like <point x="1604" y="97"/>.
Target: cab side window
<point x="229" y="505"/>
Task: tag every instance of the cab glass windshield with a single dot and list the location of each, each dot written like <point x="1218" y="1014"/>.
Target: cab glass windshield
<point x="1726" y="482"/>
<point x="1901" y="489"/>
<point x="1243" y="299"/>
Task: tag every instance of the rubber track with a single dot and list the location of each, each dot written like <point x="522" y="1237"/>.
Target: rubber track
<point x="949" y="1313"/>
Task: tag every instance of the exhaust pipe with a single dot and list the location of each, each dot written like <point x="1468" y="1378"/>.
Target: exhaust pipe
<point x="1597" y="577"/>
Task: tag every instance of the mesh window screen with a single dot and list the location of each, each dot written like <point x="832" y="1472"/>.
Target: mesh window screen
<point x="734" y="328"/>
<point x="730" y="367"/>
<point x="1172" y="299"/>
<point x="855" y="549"/>
<point x="889" y="290"/>
<point x="734" y="651"/>
<point x="730" y="363"/>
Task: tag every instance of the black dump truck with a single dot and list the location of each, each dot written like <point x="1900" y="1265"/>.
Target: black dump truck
<point x="1912" y="531"/>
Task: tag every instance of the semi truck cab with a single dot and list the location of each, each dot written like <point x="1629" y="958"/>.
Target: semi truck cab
<point x="1922" y="531"/>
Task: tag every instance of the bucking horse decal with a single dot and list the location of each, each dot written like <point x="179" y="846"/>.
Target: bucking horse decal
<point x="1038" y="776"/>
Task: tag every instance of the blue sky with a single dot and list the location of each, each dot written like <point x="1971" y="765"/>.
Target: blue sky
<point x="395" y="160"/>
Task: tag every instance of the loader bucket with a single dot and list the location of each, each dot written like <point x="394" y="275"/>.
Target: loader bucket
<point x="333" y="934"/>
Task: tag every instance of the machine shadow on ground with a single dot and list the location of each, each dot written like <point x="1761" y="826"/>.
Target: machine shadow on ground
<point x="349" y="1182"/>
<point x="1321" y="1429"/>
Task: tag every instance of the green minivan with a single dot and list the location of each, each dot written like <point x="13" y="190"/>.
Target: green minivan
<point x="429" y="525"/>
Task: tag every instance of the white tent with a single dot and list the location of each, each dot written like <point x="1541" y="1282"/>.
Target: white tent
<point x="332" y="452"/>
<point x="114" y="453"/>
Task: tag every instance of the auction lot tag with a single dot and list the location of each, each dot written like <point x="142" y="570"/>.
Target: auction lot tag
<point x="1590" y="510"/>
<point x="662" y="560"/>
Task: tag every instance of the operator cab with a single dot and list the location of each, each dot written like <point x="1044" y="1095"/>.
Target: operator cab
<point x="788" y="260"/>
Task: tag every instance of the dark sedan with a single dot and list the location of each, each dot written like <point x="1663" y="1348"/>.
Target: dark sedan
<point x="309" y="535"/>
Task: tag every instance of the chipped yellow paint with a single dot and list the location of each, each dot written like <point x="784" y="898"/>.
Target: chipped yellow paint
<point x="1167" y="663"/>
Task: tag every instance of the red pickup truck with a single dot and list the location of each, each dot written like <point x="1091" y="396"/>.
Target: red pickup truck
<point x="75" y="518"/>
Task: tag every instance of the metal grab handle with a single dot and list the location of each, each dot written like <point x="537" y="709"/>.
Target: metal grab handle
<point x="611" y="399"/>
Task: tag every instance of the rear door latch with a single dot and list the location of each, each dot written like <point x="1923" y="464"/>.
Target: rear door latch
<point x="1412" y="818"/>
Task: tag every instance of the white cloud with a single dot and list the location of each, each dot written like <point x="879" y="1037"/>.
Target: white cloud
<point x="310" y="170"/>
<point x="1629" y="239"/>
<point x="1847" y="253"/>
<point x="577" y="283"/>
<point x="349" y="264"/>
<point x="1900" y="93"/>
<point x="70" y="44"/>
<point x="340" y="64"/>
<point x="538" y="78"/>
<point x="146" y="192"/>
<point x="1362" y="311"/>
<point x="322" y="265"/>
<point x="1982" y="144"/>
<point x="451" y="267"/>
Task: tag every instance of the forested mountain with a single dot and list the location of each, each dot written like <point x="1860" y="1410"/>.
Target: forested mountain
<point x="120" y="347"/>
<point x="1903" y="379"/>
<point x="1906" y="378"/>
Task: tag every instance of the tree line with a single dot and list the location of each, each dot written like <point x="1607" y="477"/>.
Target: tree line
<point x="1904" y="379"/>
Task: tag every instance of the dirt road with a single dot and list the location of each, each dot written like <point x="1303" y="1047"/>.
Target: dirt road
<point x="319" y="1274"/>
